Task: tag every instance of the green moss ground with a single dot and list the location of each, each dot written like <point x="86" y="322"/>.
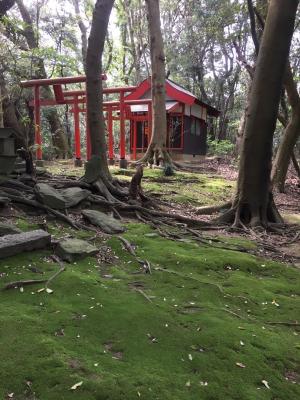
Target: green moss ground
<point x="184" y="187"/>
<point x="209" y="310"/>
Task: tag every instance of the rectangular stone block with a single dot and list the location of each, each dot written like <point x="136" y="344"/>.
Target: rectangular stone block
<point x="11" y="245"/>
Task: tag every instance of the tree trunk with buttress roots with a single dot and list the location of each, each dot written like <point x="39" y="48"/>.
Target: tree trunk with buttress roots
<point x="290" y="136"/>
<point x="157" y="152"/>
<point x="254" y="203"/>
<point x="97" y="172"/>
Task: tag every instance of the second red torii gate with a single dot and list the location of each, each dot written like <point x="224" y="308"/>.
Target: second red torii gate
<point x="77" y="97"/>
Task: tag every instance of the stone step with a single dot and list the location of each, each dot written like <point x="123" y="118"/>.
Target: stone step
<point x="10" y="245"/>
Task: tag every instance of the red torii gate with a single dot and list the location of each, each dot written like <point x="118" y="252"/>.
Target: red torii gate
<point x="77" y="97"/>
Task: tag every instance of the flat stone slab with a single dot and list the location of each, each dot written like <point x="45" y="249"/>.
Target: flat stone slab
<point x="8" y="229"/>
<point x="49" y="196"/>
<point x="106" y="223"/>
<point x="75" y="249"/>
<point x="74" y="195"/>
<point x="11" y="245"/>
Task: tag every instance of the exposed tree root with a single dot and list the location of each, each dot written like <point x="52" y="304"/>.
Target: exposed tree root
<point x="243" y="214"/>
<point x="148" y="212"/>
<point x="38" y="205"/>
<point x="213" y="209"/>
<point x="61" y="269"/>
<point x="19" y="284"/>
<point x="283" y="323"/>
<point x="128" y="246"/>
<point x="156" y="155"/>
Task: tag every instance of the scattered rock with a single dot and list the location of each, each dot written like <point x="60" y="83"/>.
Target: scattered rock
<point x="75" y="249"/>
<point x="49" y="196"/>
<point x="4" y="201"/>
<point x="74" y="195"/>
<point x="106" y="223"/>
<point x="60" y="199"/>
<point x="11" y="245"/>
<point x="8" y="229"/>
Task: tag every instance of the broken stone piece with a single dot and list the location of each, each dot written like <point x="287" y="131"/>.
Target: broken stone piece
<point x="75" y="249"/>
<point x="74" y="195"/>
<point x="106" y="223"/>
<point x="8" y="229"/>
<point x="11" y="245"/>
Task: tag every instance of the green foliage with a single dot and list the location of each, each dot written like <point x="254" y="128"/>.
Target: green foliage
<point x="220" y="147"/>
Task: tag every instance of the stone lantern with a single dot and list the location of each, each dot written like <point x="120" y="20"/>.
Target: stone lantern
<point x="7" y="150"/>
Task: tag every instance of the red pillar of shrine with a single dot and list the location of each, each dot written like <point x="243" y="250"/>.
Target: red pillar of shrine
<point x="149" y="122"/>
<point x="123" y="161"/>
<point x="88" y="137"/>
<point x="37" y="122"/>
<point x="111" y="155"/>
<point x="77" y="133"/>
<point x="134" y="139"/>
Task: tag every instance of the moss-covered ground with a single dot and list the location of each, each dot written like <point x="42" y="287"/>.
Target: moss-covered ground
<point x="196" y="328"/>
<point x="184" y="187"/>
<point x="201" y="326"/>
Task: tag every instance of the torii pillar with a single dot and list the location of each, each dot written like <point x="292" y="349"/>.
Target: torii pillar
<point x="77" y="161"/>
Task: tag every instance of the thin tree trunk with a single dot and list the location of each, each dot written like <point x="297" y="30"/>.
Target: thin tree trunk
<point x="290" y="136"/>
<point x="296" y="165"/>
<point x="254" y="202"/>
<point x="157" y="151"/>
<point x="83" y="32"/>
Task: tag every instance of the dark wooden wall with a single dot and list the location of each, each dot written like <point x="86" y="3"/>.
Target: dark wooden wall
<point x="194" y="144"/>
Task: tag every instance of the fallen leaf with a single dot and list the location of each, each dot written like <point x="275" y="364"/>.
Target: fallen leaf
<point x="74" y="387"/>
<point x="49" y="290"/>
<point x="242" y="343"/>
<point x="10" y="395"/>
<point x="240" y="365"/>
<point x="265" y="383"/>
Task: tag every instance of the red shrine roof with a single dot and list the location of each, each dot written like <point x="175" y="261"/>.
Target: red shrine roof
<point x="173" y="92"/>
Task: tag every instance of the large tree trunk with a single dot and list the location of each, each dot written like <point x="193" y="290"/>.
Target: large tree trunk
<point x="254" y="202"/>
<point x="94" y="91"/>
<point x="10" y="118"/>
<point x="59" y="139"/>
<point x="83" y="32"/>
<point x="1" y="110"/>
<point x="290" y="136"/>
<point x="157" y="152"/>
